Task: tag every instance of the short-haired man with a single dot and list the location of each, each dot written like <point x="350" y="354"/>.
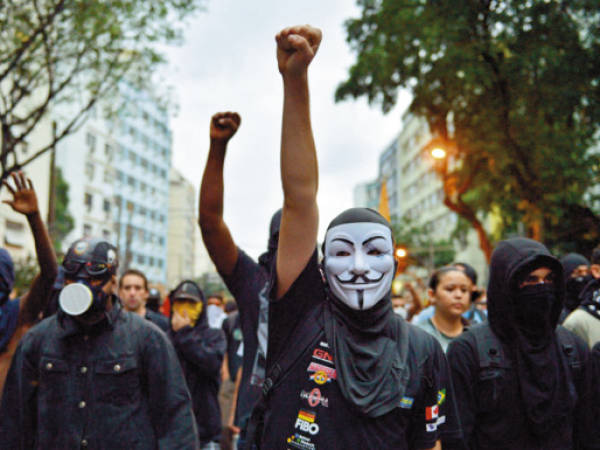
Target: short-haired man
<point x="585" y="320"/>
<point x="133" y="291"/>
<point x="91" y="376"/>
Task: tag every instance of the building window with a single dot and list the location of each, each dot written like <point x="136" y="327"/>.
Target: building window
<point x="141" y="259"/>
<point x="87" y="230"/>
<point x="90" y="140"/>
<point x="89" y="170"/>
<point x="132" y="157"/>
<point x="106" y="234"/>
<point x="108" y="151"/>
<point x="160" y="263"/>
<point x="131" y="181"/>
<point x="88" y="201"/>
<point x="108" y="176"/>
<point x="14" y="234"/>
<point x="106" y="206"/>
<point x="151" y="261"/>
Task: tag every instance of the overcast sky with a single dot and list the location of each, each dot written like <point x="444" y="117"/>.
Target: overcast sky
<point x="228" y="63"/>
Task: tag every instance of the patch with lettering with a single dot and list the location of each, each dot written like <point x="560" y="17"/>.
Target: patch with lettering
<point x="315" y="398"/>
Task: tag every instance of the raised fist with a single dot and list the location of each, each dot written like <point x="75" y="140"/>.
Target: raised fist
<point x="296" y="47"/>
<point x="24" y="199"/>
<point x="224" y="125"/>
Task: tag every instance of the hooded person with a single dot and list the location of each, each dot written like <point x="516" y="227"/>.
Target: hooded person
<point x="520" y="361"/>
<point x="576" y="269"/>
<point x="9" y="310"/>
<point x="93" y="376"/>
<point x="200" y="350"/>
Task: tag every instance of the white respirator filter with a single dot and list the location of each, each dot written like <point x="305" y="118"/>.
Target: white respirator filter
<point x="75" y="299"/>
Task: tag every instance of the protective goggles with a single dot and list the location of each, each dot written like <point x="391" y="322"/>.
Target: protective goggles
<point x="92" y="268"/>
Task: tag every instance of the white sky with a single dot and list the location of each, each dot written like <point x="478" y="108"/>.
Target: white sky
<point x="228" y="63"/>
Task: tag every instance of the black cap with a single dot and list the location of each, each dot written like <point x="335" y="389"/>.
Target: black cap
<point x="187" y="290"/>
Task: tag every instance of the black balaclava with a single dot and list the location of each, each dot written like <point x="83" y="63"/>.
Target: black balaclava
<point x="574" y="286"/>
<point x="370" y="346"/>
<point x="525" y="321"/>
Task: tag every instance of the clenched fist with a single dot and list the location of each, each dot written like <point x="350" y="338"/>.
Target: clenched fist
<point x="296" y="48"/>
<point x="224" y="125"/>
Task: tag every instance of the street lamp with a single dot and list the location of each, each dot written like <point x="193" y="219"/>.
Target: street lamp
<point x="438" y="153"/>
<point x="401" y="252"/>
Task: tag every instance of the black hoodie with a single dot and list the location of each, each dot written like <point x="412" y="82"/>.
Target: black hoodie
<point x="537" y="388"/>
<point x="201" y="350"/>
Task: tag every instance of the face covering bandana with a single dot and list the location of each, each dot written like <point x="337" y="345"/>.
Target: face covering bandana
<point x="77" y="299"/>
<point x="215" y="316"/>
<point x="533" y="306"/>
<point x="359" y="263"/>
<point x="191" y="309"/>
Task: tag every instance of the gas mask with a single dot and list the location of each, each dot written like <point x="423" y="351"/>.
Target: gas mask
<point x="79" y="298"/>
<point x="89" y="264"/>
<point x="359" y="263"/>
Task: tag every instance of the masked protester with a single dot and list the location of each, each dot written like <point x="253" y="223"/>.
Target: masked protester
<point x="584" y="321"/>
<point x="245" y="278"/>
<point x="92" y="376"/>
<point x="200" y="350"/>
<point x="343" y="371"/>
<point x="576" y="268"/>
<point x="520" y="381"/>
<point x="19" y="314"/>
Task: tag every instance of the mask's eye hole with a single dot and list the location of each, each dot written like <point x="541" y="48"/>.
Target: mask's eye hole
<point x="374" y="252"/>
<point x="342" y="253"/>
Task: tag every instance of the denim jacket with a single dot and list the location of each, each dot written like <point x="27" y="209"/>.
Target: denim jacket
<point x="116" y="386"/>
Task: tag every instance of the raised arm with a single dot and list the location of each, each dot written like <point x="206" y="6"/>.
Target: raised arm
<point x="25" y="202"/>
<point x="216" y="235"/>
<point x="296" y="47"/>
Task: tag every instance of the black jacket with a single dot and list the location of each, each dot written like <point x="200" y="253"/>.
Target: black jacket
<point x="201" y="350"/>
<point x="490" y="398"/>
<point x="117" y="387"/>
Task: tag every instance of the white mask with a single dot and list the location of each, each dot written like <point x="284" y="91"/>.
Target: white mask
<point x="359" y="263"/>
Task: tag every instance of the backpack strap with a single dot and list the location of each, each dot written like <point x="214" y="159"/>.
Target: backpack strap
<point x="489" y="347"/>
<point x="308" y="333"/>
<point x="568" y="344"/>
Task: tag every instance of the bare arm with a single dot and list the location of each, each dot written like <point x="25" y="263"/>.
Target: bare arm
<point x="296" y="47"/>
<point x="215" y="233"/>
<point x="25" y="202"/>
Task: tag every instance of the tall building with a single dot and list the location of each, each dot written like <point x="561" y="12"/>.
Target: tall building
<point x="182" y="229"/>
<point x="415" y="190"/>
<point x="117" y="171"/>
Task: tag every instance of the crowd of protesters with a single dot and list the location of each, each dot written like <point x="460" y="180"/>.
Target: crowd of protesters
<point x="313" y="351"/>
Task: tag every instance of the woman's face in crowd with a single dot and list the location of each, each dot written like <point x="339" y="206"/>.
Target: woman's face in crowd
<point x="359" y="263"/>
<point x="452" y="295"/>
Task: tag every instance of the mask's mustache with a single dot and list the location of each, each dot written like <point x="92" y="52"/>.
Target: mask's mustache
<point x="364" y="278"/>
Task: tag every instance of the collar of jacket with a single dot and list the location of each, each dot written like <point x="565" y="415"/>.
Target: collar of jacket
<point x="70" y="327"/>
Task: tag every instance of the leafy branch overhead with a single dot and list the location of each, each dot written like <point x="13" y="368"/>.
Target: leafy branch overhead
<point x="512" y="86"/>
<point x="70" y="54"/>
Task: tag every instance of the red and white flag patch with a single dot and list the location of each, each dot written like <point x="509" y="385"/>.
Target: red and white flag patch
<point x="431" y="412"/>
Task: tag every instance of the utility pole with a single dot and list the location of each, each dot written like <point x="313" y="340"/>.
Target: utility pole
<point x="52" y="188"/>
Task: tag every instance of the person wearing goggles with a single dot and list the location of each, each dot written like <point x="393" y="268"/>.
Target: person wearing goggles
<point x="93" y="375"/>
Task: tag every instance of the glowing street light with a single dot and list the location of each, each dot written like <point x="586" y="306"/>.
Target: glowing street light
<point x="401" y="252"/>
<point x="438" y="153"/>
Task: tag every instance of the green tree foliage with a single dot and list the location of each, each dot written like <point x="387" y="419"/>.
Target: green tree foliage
<point x="510" y="88"/>
<point x="25" y="271"/>
<point x="74" y="52"/>
<point x="63" y="221"/>
<point x="422" y="249"/>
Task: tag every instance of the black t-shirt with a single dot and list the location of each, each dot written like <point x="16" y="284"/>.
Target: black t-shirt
<point x="306" y="409"/>
<point x="233" y="332"/>
<point x="490" y="408"/>
<point x="248" y="283"/>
